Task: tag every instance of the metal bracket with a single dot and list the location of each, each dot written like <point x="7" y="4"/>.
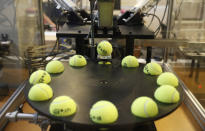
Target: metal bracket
<point x="42" y="121"/>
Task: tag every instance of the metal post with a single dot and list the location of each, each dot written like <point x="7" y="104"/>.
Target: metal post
<point x="40" y="7"/>
<point x="92" y="4"/>
<point x="129" y="46"/>
<point x="169" y="24"/>
<point x="149" y="54"/>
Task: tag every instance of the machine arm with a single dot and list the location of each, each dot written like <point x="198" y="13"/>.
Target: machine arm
<point x="75" y="16"/>
<point x="135" y="15"/>
<point x="66" y="5"/>
<point x="144" y="5"/>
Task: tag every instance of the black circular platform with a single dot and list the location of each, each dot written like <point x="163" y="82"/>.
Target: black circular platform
<point x="95" y="82"/>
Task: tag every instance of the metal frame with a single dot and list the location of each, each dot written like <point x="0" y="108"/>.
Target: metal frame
<point x="191" y="102"/>
<point x="40" y="11"/>
<point x="12" y="104"/>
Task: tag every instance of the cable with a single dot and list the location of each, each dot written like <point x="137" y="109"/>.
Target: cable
<point x="40" y="61"/>
<point x="165" y="10"/>
<point x="154" y="14"/>
<point x="179" y="8"/>
<point x="95" y="6"/>
<point x="57" y="25"/>
<point x="157" y="30"/>
<point x="161" y="21"/>
<point x="177" y="15"/>
<point x="52" y="52"/>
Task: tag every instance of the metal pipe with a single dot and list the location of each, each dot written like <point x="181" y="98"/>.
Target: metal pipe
<point x="40" y="7"/>
<point x="15" y="116"/>
<point x="173" y="43"/>
<point x="92" y="4"/>
<point x="169" y="24"/>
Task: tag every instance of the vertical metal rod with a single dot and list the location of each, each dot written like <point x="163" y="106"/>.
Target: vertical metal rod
<point x="169" y="24"/>
<point x="92" y="3"/>
<point x="40" y="7"/>
<point x="129" y="46"/>
<point x="149" y="54"/>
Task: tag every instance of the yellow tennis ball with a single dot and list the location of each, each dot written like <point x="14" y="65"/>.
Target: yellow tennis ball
<point x="130" y="61"/>
<point x="153" y="68"/>
<point x="108" y="63"/>
<point x="144" y="107"/>
<point x="100" y="62"/>
<point x="40" y="92"/>
<point x="103" y="112"/>
<point x="77" y="61"/>
<point x="62" y="106"/>
<point x="104" y="48"/>
<point x="167" y="94"/>
<point x="39" y="76"/>
<point x="167" y="78"/>
<point x="55" y="67"/>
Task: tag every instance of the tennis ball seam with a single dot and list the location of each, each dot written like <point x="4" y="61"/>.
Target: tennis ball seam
<point x="35" y="77"/>
<point x="145" y="108"/>
<point x="71" y="60"/>
<point x="60" y="102"/>
<point x="173" y="94"/>
<point x="43" y="90"/>
<point x="100" y="107"/>
<point x="103" y="112"/>
<point x="60" y="67"/>
<point x="154" y="71"/>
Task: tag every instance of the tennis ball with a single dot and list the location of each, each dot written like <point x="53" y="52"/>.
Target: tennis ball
<point x="62" y="106"/>
<point x="39" y="76"/>
<point x="104" y="48"/>
<point x="103" y="112"/>
<point x="55" y="67"/>
<point x="130" y="61"/>
<point x="108" y="63"/>
<point x="167" y="78"/>
<point x="153" y="68"/>
<point x="144" y="107"/>
<point x="100" y="62"/>
<point x="40" y="92"/>
<point x="167" y="94"/>
<point x="77" y="61"/>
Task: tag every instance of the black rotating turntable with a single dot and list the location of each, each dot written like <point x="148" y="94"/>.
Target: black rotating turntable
<point x="95" y="82"/>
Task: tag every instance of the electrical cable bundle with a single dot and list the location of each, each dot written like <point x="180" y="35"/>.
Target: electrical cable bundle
<point x="38" y="56"/>
<point x="155" y="16"/>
